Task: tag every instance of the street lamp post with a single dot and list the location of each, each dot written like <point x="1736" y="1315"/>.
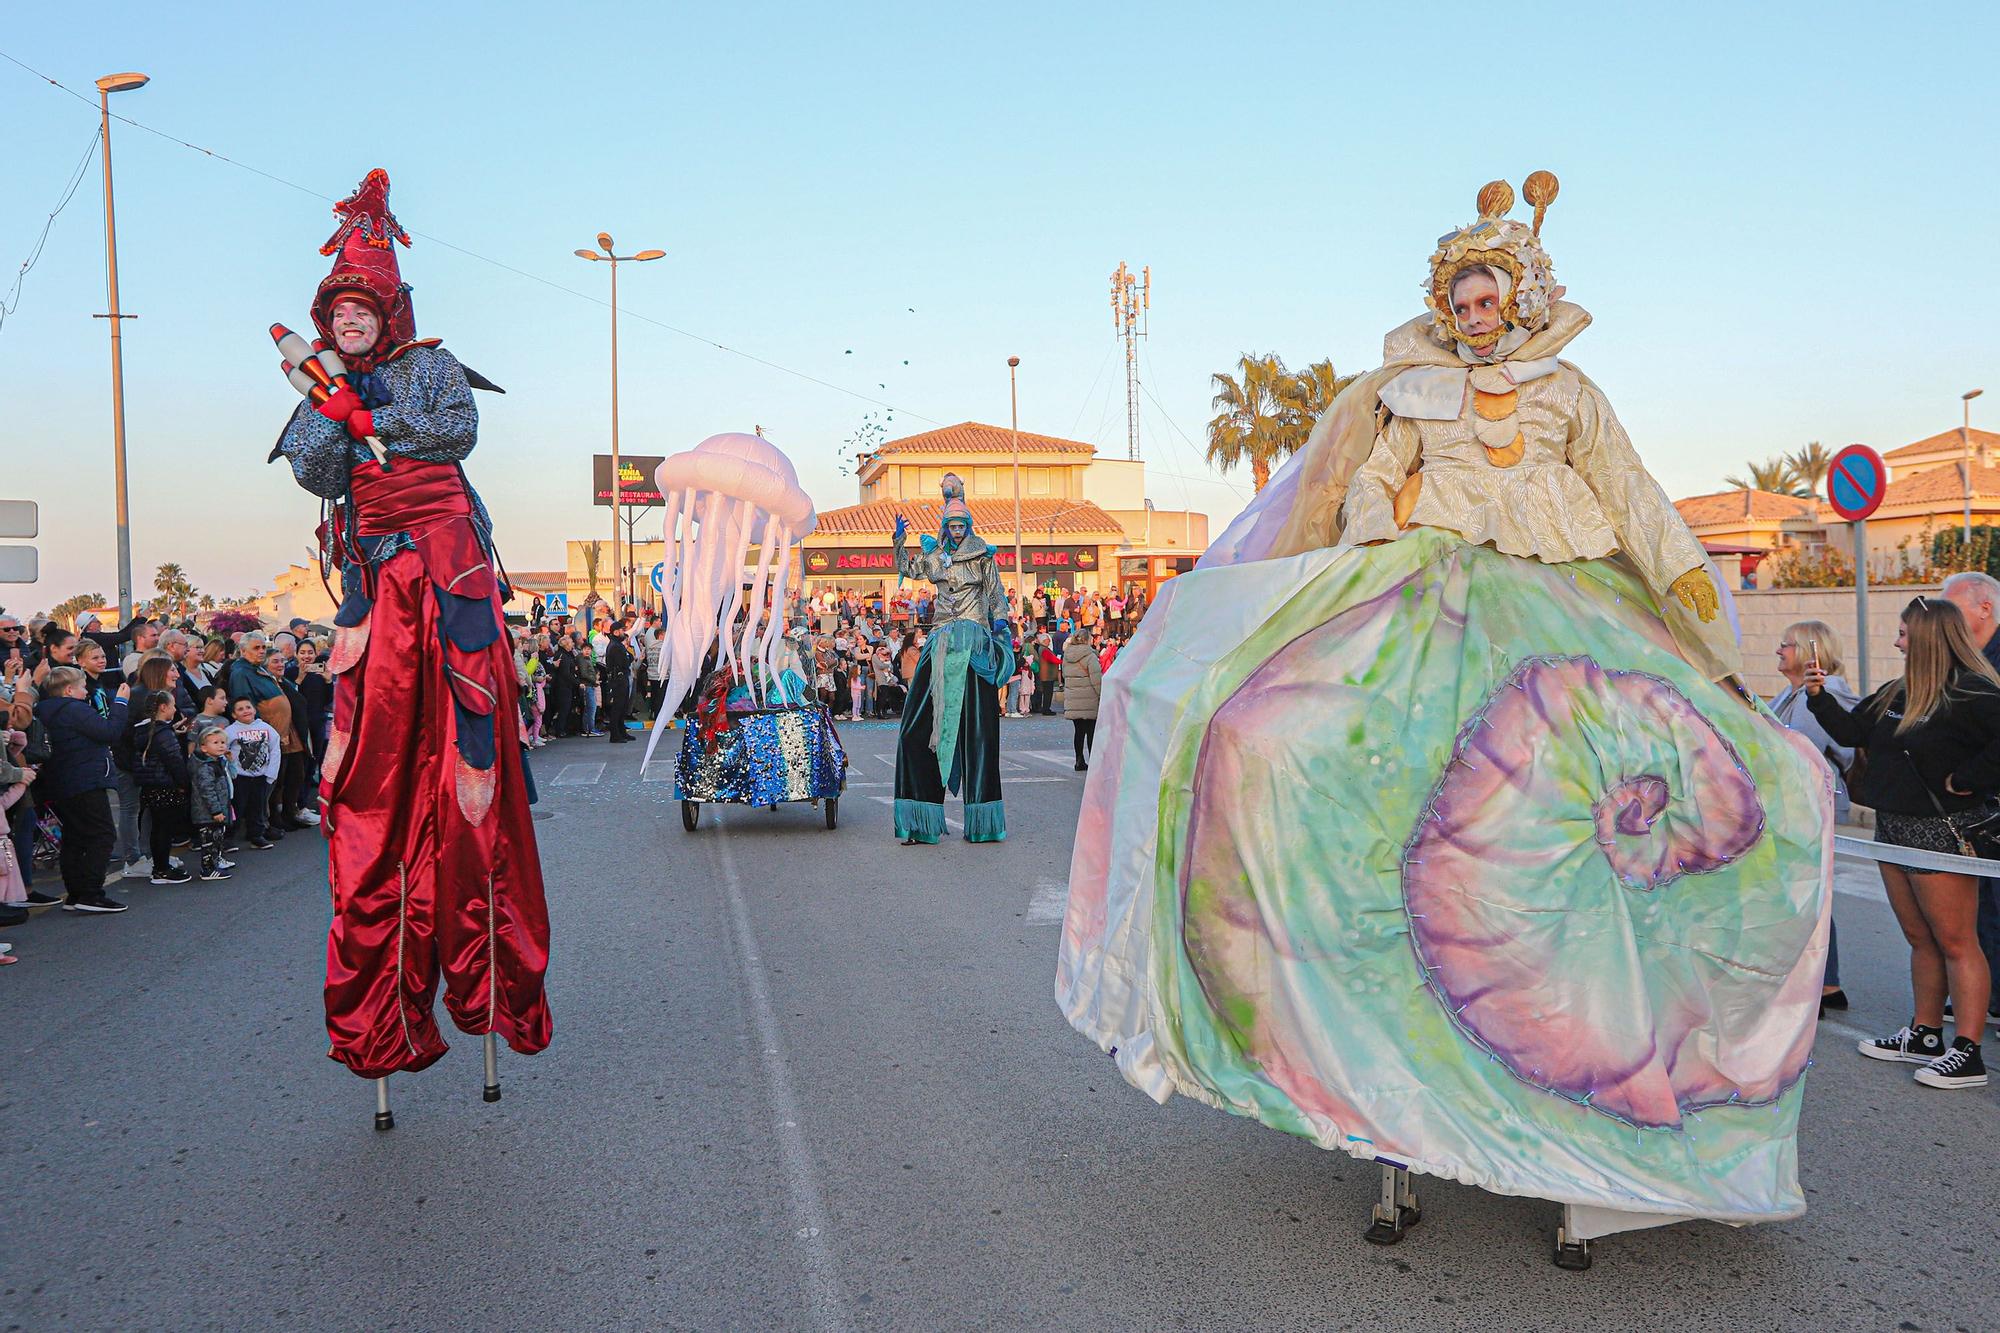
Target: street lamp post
<point x="1014" y="408"/>
<point x="109" y="84"/>
<point x="1965" y="439"/>
<point x="620" y="593"/>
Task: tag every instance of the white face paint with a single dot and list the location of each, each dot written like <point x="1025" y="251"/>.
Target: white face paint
<point x="355" y="327"/>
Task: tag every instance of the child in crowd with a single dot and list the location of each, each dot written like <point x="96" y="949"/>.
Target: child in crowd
<point x="208" y="799"/>
<point x="253" y="762"/>
<point x="211" y="709"/>
<point x="1024" y="687"/>
<point x="154" y="759"/>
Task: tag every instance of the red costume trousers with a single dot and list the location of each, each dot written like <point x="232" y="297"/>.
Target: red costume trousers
<point x="431" y="858"/>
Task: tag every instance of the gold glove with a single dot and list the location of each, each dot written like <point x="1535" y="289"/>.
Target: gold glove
<point x="1697" y="593"/>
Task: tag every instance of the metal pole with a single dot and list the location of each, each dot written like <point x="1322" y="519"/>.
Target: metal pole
<point x="1861" y="605"/>
<point x="117" y="374"/>
<point x="617" y="484"/>
<point x="1014" y="408"/>
<point x="491" y="1092"/>
<point x="1965" y="439"/>
<point x="384" y="1117"/>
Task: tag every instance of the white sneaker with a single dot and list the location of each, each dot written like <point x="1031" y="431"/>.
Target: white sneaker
<point x="309" y="816"/>
<point x="137" y="870"/>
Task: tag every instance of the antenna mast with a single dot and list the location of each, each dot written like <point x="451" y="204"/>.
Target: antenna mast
<point x="1131" y="305"/>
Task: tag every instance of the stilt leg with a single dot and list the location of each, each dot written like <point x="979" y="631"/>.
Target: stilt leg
<point x="492" y="1090"/>
<point x="384" y="1117"/>
<point x="1571" y="1252"/>
<point x="1396" y="1211"/>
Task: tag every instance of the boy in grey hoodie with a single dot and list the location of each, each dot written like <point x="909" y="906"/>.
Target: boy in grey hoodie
<point x="209" y="790"/>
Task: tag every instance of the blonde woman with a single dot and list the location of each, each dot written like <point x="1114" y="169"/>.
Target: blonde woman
<point x="1803" y="643"/>
<point x="1932" y="739"/>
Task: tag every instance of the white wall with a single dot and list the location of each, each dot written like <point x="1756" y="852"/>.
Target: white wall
<point x="1115" y="483"/>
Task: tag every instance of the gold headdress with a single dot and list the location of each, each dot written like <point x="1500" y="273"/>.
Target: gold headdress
<point x="1510" y="249"/>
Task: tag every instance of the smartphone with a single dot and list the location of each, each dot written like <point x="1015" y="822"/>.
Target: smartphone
<point x="1813" y="649"/>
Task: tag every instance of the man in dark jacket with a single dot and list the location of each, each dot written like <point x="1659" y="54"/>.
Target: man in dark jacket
<point x="76" y="783"/>
<point x="617" y="683"/>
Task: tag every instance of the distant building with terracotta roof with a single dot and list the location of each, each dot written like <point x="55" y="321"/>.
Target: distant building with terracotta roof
<point x="1084" y="521"/>
<point x="1743" y="526"/>
<point x="1928" y="493"/>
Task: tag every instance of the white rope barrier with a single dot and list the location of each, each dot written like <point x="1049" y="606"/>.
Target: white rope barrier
<point x="1861" y="849"/>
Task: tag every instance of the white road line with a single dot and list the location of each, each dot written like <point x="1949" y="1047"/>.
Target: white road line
<point x="809" y="1216"/>
<point x="1050" y="756"/>
<point x="578" y="775"/>
<point x="1051" y="900"/>
<point x="1829" y="1025"/>
<point x="660" y="770"/>
<point x="1874" y="893"/>
<point x="952" y="824"/>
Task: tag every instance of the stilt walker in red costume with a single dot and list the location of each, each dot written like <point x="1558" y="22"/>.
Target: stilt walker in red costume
<point x="423" y="790"/>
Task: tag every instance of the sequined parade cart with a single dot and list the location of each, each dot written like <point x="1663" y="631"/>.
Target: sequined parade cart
<point x="761" y="756"/>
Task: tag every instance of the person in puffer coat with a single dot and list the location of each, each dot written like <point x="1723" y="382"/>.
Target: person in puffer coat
<point x="77" y="781"/>
<point x="1082" y="681"/>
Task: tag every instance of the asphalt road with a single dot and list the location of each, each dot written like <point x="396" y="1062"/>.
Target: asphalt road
<point x="813" y="1079"/>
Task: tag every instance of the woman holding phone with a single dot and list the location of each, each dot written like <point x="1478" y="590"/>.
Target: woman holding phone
<point x="1814" y="643"/>
<point x="1932" y="738"/>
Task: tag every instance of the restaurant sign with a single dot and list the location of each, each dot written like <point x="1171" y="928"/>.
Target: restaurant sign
<point x="635" y="477"/>
<point x="882" y="560"/>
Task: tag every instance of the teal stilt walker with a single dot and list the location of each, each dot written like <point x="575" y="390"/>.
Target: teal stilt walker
<point x="950" y="739"/>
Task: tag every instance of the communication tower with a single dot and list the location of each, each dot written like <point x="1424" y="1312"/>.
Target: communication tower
<point x="1131" y="302"/>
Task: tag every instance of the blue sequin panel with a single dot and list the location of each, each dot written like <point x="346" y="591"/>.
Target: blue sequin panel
<point x="762" y="758"/>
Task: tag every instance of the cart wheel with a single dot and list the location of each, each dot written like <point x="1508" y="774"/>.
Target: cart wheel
<point x="1571" y="1253"/>
<point x="690" y="815"/>
<point x="832" y="811"/>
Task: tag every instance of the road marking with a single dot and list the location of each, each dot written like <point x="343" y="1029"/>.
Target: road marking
<point x="660" y="770"/>
<point x="1050" y="756"/>
<point x="810" y="1221"/>
<point x="1829" y="1025"/>
<point x="578" y="775"/>
<point x="1050" y="902"/>
<point x="1874" y="893"/>
<point x="951" y="824"/>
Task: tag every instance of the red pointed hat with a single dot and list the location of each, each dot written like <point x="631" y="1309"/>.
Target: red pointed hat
<point x="364" y="264"/>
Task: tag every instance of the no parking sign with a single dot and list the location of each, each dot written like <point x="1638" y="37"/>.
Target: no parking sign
<point x="1856" y="480"/>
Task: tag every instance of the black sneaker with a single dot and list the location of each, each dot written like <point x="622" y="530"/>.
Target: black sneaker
<point x="101" y="905"/>
<point x="1915" y="1045"/>
<point x="42" y="899"/>
<point x="13" y="916"/>
<point x="174" y="875"/>
<point x="261" y="844"/>
<point x="217" y="873"/>
<point x="1960" y="1067"/>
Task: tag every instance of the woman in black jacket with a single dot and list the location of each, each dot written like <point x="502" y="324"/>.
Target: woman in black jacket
<point x="1932" y="744"/>
<point x="154" y="757"/>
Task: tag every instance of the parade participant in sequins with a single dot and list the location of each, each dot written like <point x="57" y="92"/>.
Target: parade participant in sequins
<point x="431" y="854"/>
<point x="950" y="736"/>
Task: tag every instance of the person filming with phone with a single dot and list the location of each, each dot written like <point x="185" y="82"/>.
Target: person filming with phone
<point x="1931" y="740"/>
<point x="1814" y="643"/>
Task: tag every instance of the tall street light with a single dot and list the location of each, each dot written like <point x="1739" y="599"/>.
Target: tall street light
<point x="1965" y="438"/>
<point x="620" y="593"/>
<point x="109" y="84"/>
<point x="1014" y="407"/>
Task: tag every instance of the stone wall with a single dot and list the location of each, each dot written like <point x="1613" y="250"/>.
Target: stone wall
<point x="1766" y="612"/>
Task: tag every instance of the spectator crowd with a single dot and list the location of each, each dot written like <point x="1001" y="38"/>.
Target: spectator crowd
<point x="125" y="746"/>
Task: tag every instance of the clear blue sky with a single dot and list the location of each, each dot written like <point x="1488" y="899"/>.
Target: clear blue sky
<point x="1780" y="216"/>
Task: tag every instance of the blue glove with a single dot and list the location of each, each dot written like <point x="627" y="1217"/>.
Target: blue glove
<point x="928" y="542"/>
<point x="1003" y="630"/>
<point x="902" y="528"/>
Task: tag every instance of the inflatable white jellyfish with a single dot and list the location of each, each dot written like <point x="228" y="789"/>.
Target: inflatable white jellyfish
<point x="726" y="495"/>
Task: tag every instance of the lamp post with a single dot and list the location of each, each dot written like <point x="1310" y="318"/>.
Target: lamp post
<point x="109" y="84"/>
<point x="1014" y="409"/>
<point x="620" y="592"/>
<point x="1965" y="439"/>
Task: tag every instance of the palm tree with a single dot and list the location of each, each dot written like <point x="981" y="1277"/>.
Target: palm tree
<point x="1256" y="417"/>
<point x="1773" y="474"/>
<point x="207" y="601"/>
<point x="1809" y="467"/>
<point x="1315" y="389"/>
<point x="593" y="553"/>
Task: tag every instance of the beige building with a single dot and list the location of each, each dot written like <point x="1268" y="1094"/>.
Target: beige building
<point x="1085" y="522"/>
<point x="1926" y="495"/>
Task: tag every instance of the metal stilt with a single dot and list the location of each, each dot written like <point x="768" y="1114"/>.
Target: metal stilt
<point x="1396" y="1211"/>
<point x="384" y="1117"/>
<point x="492" y="1090"/>
<point x="1572" y="1252"/>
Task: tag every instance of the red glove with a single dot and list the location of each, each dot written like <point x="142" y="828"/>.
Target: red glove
<point x="344" y="403"/>
<point x="360" y="423"/>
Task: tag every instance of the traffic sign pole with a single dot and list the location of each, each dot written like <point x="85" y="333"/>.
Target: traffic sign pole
<point x="1856" y="480"/>
<point x="1861" y="605"/>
